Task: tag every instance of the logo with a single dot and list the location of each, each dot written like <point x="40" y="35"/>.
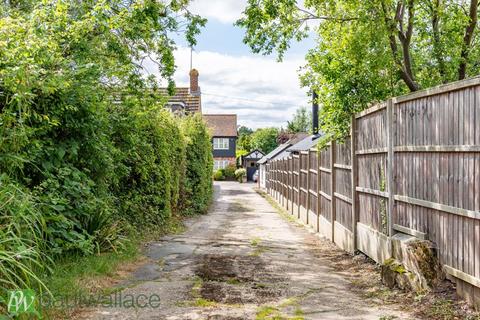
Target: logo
<point x="21" y="301"/>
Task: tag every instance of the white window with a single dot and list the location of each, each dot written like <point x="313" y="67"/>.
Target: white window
<point x="220" y="164"/>
<point x="220" y="143"/>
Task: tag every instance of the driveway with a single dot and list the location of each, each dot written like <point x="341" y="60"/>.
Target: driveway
<point x="241" y="261"/>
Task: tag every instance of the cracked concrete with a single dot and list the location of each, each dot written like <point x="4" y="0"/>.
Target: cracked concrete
<point x="241" y="261"/>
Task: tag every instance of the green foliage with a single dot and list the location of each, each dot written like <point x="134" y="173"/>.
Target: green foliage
<point x="244" y="142"/>
<point x="229" y="171"/>
<point x="219" y="175"/>
<point x="301" y="122"/>
<point x="368" y="51"/>
<point x="197" y="186"/>
<point x="22" y="256"/>
<point x="240" y="174"/>
<point x="152" y="160"/>
<point x="86" y="150"/>
<point x="265" y="139"/>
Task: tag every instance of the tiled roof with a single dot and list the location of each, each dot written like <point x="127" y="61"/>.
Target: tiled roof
<point x="222" y="125"/>
<point x="182" y="95"/>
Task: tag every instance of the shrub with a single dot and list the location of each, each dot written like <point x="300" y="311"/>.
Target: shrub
<point x="219" y="175"/>
<point x="230" y="171"/>
<point x="22" y="250"/>
<point x="240" y="174"/>
<point x="152" y="159"/>
<point x="197" y="183"/>
<point x="87" y="150"/>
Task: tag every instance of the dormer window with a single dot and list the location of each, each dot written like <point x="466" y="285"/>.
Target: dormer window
<point x="177" y="108"/>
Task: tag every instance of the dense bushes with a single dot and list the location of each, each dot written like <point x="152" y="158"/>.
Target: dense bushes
<point x="87" y="151"/>
<point x="197" y="186"/>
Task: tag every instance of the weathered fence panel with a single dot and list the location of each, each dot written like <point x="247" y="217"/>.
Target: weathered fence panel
<point x="411" y="165"/>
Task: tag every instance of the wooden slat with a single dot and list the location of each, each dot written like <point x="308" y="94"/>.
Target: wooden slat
<point x="439" y="89"/>
<point x="373" y="192"/>
<point x="342" y="197"/>
<point x="371" y="151"/>
<point x="412" y="232"/>
<point x="326" y="170"/>
<point x="462" y="275"/>
<point x="368" y="111"/>
<point x="438" y="148"/>
<point x="326" y="196"/>
<point x="342" y="166"/>
<point x="441" y="207"/>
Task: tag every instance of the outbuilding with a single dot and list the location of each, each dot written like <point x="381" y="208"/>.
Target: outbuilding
<point x="249" y="162"/>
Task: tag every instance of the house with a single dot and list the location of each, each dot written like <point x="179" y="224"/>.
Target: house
<point x="249" y="162"/>
<point x="224" y="138"/>
<point x="262" y="163"/>
<point x="186" y="99"/>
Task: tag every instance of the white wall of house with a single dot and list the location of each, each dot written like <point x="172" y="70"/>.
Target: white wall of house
<point x="262" y="176"/>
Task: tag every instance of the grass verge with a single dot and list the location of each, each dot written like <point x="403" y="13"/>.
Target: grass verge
<point x="75" y="277"/>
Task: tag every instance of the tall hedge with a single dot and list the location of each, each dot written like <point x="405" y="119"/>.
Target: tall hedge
<point x="87" y="149"/>
<point x="197" y="185"/>
<point x="151" y="163"/>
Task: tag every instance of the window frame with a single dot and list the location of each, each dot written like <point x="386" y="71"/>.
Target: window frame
<point x="220" y="164"/>
<point x="221" y="143"/>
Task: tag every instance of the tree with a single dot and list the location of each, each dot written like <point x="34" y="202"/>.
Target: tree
<point x="301" y="122"/>
<point x="244" y="144"/>
<point x="369" y="50"/>
<point x="265" y="139"/>
<point x="244" y="131"/>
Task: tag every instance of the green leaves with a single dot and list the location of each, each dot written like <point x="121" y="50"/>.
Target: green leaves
<point x="86" y="148"/>
<point x="368" y="51"/>
<point x="265" y="139"/>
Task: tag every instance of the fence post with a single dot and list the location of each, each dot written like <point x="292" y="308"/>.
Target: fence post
<point x="333" y="209"/>
<point x="390" y="165"/>
<point x="353" y="148"/>
<point x="307" y="204"/>
<point x="318" y="187"/>
<point x="298" y="184"/>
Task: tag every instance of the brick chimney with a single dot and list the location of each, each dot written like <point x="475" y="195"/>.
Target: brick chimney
<point x="194" y="89"/>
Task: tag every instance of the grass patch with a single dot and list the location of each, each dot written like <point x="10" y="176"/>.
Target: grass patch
<point x="234" y="281"/>
<point x="83" y="276"/>
<point x="204" y="303"/>
<point x="442" y="309"/>
<point x="273" y="313"/>
<point x="255" y="242"/>
<point x="283" y="213"/>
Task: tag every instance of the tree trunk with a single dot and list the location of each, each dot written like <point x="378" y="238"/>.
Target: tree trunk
<point x="467" y="39"/>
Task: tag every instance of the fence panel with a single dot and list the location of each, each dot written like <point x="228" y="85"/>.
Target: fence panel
<point x="414" y="168"/>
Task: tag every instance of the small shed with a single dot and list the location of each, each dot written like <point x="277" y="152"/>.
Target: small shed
<point x="249" y="162"/>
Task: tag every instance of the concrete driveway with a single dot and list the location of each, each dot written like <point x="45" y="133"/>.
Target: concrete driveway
<point x="241" y="261"/>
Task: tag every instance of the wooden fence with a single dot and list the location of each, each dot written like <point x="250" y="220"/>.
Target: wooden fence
<point x="411" y="165"/>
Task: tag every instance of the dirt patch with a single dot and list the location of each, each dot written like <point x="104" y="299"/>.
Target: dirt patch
<point x="238" y="279"/>
<point x="239" y="207"/>
<point x="364" y="276"/>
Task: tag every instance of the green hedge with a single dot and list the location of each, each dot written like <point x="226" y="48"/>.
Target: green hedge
<point x="87" y="150"/>
<point x="197" y="184"/>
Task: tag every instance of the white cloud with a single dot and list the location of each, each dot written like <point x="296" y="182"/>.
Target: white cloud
<point x="225" y="11"/>
<point x="273" y="86"/>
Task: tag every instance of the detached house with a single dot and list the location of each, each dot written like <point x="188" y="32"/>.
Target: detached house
<point x="187" y="100"/>
<point x="224" y="138"/>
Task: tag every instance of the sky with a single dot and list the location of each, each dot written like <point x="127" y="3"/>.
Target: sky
<point x="261" y="91"/>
